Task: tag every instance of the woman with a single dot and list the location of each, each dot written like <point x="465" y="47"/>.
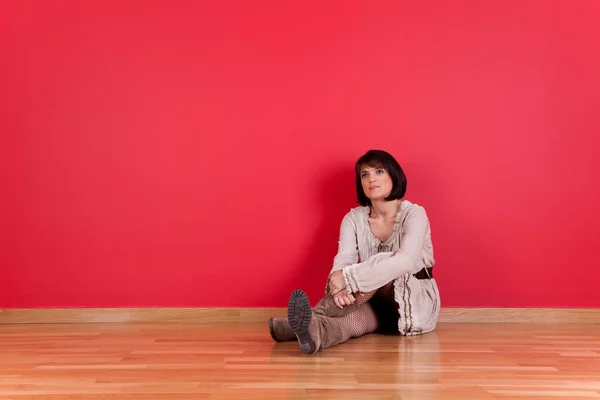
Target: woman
<point x="382" y="276"/>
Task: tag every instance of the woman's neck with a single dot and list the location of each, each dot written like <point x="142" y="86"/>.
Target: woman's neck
<point x="381" y="209"/>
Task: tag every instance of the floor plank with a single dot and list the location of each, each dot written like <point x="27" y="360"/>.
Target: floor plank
<point x="240" y="361"/>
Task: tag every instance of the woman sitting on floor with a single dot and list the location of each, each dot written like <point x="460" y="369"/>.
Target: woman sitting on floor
<point x="382" y="276"/>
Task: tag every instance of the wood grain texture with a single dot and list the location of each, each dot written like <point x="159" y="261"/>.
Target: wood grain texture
<point x="182" y="315"/>
<point x="246" y="315"/>
<point x="468" y="361"/>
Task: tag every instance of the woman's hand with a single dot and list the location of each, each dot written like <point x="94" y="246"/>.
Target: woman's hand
<point x="343" y="298"/>
<point x="337" y="283"/>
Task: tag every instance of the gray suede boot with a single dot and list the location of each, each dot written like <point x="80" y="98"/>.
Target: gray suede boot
<point x="280" y="330"/>
<point x="314" y="332"/>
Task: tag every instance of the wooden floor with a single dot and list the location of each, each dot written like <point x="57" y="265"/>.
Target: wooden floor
<point x="240" y="361"/>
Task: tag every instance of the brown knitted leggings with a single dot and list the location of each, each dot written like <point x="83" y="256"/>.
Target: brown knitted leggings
<point x="374" y="311"/>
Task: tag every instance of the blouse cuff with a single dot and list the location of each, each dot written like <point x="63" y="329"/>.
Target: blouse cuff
<point x="351" y="283"/>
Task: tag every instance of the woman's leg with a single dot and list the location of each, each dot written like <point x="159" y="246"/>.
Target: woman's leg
<point x="316" y="332"/>
<point x="386" y="308"/>
<point x="327" y="307"/>
<point x="282" y="332"/>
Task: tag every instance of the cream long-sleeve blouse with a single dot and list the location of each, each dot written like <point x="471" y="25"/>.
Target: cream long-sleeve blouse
<point x="368" y="264"/>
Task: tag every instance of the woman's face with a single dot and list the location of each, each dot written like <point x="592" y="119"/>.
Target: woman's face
<point x="376" y="182"/>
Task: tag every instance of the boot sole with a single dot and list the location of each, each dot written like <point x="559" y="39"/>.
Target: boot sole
<point x="299" y="317"/>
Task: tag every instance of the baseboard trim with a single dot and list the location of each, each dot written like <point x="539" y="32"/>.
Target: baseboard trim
<point x="246" y="315"/>
<point x="138" y="315"/>
<point x="521" y="315"/>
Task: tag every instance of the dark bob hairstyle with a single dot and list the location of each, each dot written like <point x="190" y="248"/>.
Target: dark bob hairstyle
<point x="381" y="159"/>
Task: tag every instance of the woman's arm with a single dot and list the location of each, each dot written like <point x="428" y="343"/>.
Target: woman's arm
<point x="385" y="267"/>
<point x="347" y="247"/>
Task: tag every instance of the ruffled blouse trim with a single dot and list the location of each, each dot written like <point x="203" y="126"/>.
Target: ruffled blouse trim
<point x="397" y="225"/>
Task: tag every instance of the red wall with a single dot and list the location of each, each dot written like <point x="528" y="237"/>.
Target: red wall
<point x="201" y="153"/>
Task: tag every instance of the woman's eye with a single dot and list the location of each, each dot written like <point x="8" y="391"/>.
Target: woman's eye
<point x="380" y="171"/>
<point x="363" y="176"/>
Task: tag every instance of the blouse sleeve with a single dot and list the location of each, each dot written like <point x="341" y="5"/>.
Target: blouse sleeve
<point x="347" y="247"/>
<point x="385" y="267"/>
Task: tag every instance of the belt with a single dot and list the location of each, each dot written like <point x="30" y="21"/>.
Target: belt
<point x="425" y="273"/>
